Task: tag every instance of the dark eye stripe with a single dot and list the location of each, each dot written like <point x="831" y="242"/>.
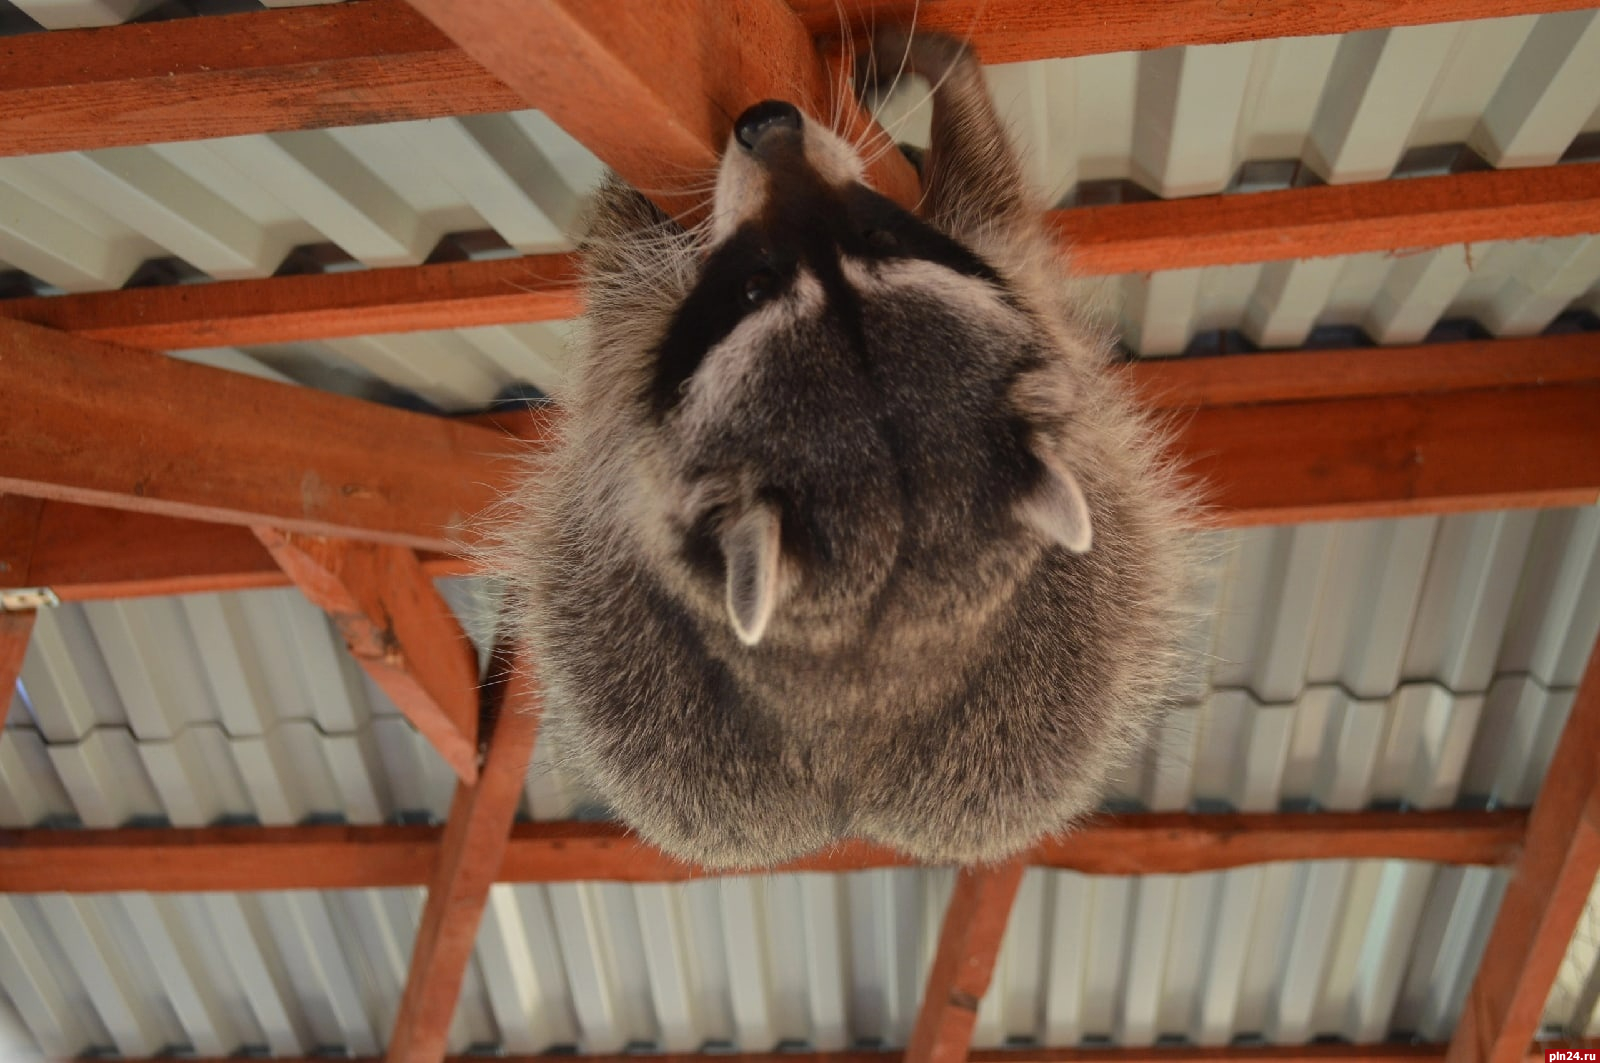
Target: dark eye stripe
<point x="713" y="309"/>
<point x="909" y="237"/>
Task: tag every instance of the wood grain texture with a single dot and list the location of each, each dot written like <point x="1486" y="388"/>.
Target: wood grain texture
<point x="468" y="863"/>
<point x="155" y="555"/>
<point x="1391" y="456"/>
<point x="1388" y="1052"/>
<point x="258" y="72"/>
<point x="1398" y="216"/>
<point x="1013" y="31"/>
<point x="398" y="628"/>
<point x="339" y="857"/>
<point x="322" y="306"/>
<point x="963" y="962"/>
<point x="1546" y="897"/>
<point x="101" y="425"/>
<point x="1274" y="437"/>
<point x="19" y="538"/>
<point x="652" y="86"/>
<point x="15" y="631"/>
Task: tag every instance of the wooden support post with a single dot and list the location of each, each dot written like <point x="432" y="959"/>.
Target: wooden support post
<point x="652" y="86"/>
<point x="1546" y="897"/>
<point x="398" y="628"/>
<point x="969" y="942"/>
<point x="470" y="855"/>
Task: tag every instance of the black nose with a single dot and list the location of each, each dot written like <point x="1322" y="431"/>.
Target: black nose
<point x="764" y="116"/>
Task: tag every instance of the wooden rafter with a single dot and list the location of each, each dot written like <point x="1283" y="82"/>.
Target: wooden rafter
<point x="259" y="72"/>
<point x="467" y="864"/>
<point x="375" y="60"/>
<point x="338" y="857"/>
<point x="1546" y="896"/>
<point x="1123" y="238"/>
<point x="1277" y="438"/>
<point x="92" y="423"/>
<point x="1013" y="31"/>
<point x="16" y="628"/>
<point x="652" y="86"/>
<point x="1387" y="1052"/>
<point x="399" y="630"/>
<point x="969" y="942"/>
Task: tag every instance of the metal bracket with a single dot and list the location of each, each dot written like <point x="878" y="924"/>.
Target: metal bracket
<point x="23" y="599"/>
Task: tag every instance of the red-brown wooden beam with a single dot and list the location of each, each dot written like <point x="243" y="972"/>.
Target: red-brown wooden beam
<point x="469" y="858"/>
<point x="1122" y="238"/>
<point x="969" y="942"/>
<point x="398" y="629"/>
<point x="97" y="424"/>
<point x="16" y="628"/>
<point x="1387" y="1052"/>
<point x="1012" y="31"/>
<point x="376" y="60"/>
<point x="258" y="72"/>
<point x="652" y="86"/>
<point x="1547" y="894"/>
<point x="1278" y="437"/>
<point x="338" y="857"/>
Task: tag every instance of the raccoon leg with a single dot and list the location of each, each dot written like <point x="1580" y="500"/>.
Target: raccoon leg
<point x="971" y="175"/>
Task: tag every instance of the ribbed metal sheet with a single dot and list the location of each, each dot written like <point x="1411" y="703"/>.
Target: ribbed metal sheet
<point x="1417" y="662"/>
<point x="1181" y="121"/>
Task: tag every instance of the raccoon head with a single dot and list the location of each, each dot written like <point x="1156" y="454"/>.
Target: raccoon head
<point x="838" y="392"/>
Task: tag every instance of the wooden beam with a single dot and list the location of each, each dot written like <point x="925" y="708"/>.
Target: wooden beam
<point x="969" y="941"/>
<point x="1546" y="896"/>
<point x="260" y="72"/>
<point x="16" y="628"/>
<point x="1295" y="223"/>
<point x="470" y="853"/>
<point x="398" y="629"/>
<point x="1278" y="437"/>
<point x="339" y="857"/>
<point x="1013" y="31"/>
<point x="92" y="423"/>
<point x="1122" y="238"/>
<point x="652" y="86"/>
<point x="321" y="306"/>
<point x="1387" y="1052"/>
<point x="375" y="60"/>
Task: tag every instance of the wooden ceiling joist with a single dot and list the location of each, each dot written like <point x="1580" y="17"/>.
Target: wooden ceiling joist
<point x="338" y="857"/>
<point x="468" y="862"/>
<point x="96" y="424"/>
<point x="1276" y="437"/>
<point x="653" y="88"/>
<point x="257" y="72"/>
<point x="963" y="962"/>
<point x="16" y="628"/>
<point x="377" y="60"/>
<point x="398" y="628"/>
<point x="1014" y="31"/>
<point x="1549" y="890"/>
<point x="1387" y="1052"/>
<point x="1400" y="216"/>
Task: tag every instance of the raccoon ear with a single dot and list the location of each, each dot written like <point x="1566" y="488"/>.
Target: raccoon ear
<point x="1057" y="509"/>
<point x="750" y="547"/>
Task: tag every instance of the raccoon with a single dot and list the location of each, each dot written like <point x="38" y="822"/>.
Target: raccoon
<point x="853" y="529"/>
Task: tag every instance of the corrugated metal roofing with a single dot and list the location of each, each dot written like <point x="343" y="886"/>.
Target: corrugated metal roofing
<point x="1417" y="662"/>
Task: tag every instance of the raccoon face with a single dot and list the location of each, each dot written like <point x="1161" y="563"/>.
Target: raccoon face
<point x="837" y="392"/>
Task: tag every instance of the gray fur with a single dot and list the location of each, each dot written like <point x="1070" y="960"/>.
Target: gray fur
<point x="940" y="670"/>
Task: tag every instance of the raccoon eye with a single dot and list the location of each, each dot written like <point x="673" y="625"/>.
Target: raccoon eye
<point x="882" y="240"/>
<point x="758" y="286"/>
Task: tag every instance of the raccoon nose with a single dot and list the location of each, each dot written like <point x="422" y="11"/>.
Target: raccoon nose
<point x="760" y="120"/>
